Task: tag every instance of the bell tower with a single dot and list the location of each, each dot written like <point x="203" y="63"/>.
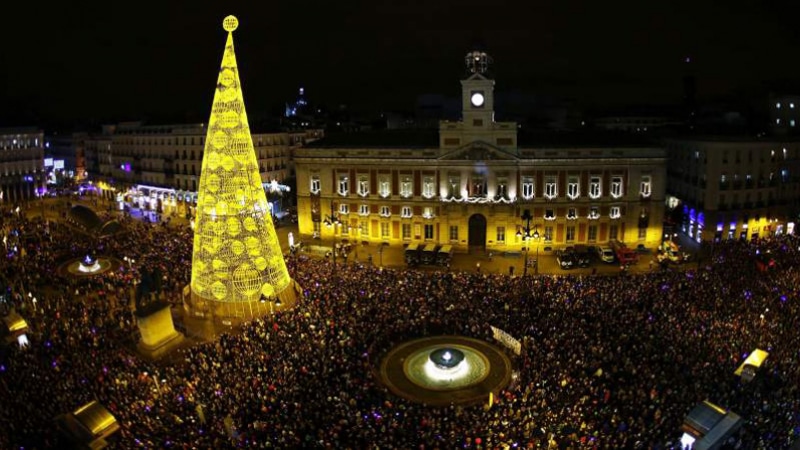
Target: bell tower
<point x="477" y="91"/>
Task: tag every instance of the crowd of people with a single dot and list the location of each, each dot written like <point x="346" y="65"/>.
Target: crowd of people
<point x="608" y="362"/>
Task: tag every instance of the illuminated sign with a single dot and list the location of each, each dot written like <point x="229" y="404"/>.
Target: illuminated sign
<point x="48" y="162"/>
<point x="58" y="164"/>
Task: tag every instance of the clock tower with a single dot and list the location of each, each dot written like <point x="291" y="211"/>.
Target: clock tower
<point x="477" y="123"/>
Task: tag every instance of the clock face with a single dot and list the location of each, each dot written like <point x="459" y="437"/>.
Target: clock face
<point x="476" y="99"/>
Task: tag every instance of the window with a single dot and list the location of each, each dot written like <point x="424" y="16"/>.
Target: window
<point x="594" y="213"/>
<point x="616" y="187"/>
<point x="385" y="230"/>
<point x="592" y="233"/>
<point x="595" y="187"/>
<point x="364" y="228"/>
<point x="405" y="186"/>
<point x="344" y="208"/>
<point x="383" y="188"/>
<point x="571" y="233"/>
<point x="572" y="213"/>
<point x="428" y="188"/>
<point x="454" y="187"/>
<point x="363" y="185"/>
<point x="548" y="233"/>
<point x="478" y="186"/>
<point x="453" y="232"/>
<point x="549" y="214"/>
<point x="723" y="178"/>
<point x="363" y="210"/>
<point x="501" y="188"/>
<point x="642" y="233"/>
<point x="550" y="188"/>
<point x="344" y="183"/>
<point x="428" y="231"/>
<point x="527" y="188"/>
<point x="612" y="232"/>
<point x="614" y="212"/>
<point x="645" y="187"/>
<point x="386" y="211"/>
<point x="405" y="212"/>
<point x="501" y="234"/>
<point x="406" y="229"/>
<point x="427" y="212"/>
<point x="315" y="185"/>
<point x="573" y="188"/>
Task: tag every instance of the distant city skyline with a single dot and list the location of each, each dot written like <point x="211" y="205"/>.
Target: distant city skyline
<point x="71" y="63"/>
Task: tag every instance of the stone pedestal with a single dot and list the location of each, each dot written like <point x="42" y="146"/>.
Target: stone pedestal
<point x="157" y="330"/>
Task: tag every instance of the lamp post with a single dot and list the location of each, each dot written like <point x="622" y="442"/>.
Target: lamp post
<point x="527" y="234"/>
<point x="332" y="221"/>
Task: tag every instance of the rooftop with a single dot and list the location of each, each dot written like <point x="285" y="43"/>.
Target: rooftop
<point x="430" y="139"/>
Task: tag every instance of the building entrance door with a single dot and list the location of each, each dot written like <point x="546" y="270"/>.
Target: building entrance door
<point x="477" y="232"/>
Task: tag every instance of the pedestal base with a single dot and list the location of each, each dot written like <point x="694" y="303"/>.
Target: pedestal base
<point x="164" y="347"/>
<point x="158" y="332"/>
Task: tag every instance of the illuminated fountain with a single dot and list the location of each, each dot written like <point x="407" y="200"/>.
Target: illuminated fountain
<point x="443" y="370"/>
<point x="89" y="264"/>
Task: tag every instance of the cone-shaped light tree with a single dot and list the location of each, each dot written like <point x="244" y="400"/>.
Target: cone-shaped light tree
<point x="236" y="256"/>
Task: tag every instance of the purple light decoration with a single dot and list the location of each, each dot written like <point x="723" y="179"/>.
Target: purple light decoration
<point x="783" y="298"/>
<point x="2" y="368"/>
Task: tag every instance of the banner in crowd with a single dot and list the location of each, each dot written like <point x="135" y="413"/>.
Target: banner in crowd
<point x="507" y="340"/>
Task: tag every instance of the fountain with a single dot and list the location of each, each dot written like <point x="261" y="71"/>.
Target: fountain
<point x="89" y="264"/>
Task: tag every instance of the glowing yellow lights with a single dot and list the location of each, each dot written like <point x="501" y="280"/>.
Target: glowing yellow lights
<point x="236" y="255"/>
<point x="230" y="23"/>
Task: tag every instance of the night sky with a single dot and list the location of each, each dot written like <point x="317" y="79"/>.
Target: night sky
<point x="66" y="62"/>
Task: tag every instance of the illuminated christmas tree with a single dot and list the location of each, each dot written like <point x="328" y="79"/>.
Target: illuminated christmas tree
<point x="237" y="263"/>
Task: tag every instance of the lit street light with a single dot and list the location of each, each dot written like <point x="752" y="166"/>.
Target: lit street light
<point x="526" y="235"/>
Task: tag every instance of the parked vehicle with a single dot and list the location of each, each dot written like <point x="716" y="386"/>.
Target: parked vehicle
<point x="429" y="254"/>
<point x="582" y="256"/>
<point x="412" y="254"/>
<point x="566" y="259"/>
<point x="605" y="254"/>
<point x="670" y="251"/>
<point x="625" y="255"/>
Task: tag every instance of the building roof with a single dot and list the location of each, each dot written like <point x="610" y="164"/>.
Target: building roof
<point x="380" y="139"/>
<point x="584" y="139"/>
<point x="430" y="139"/>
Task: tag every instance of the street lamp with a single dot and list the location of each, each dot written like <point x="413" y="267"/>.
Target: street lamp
<point x="331" y="221"/>
<point x="527" y="234"/>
